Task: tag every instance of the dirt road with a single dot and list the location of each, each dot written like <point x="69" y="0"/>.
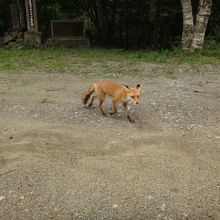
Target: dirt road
<point x="60" y="160"/>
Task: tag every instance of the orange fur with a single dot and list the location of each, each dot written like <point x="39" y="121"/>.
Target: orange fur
<point x="118" y="93"/>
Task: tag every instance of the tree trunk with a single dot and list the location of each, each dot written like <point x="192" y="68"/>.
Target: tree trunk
<point x="193" y="35"/>
<point x="188" y="25"/>
<point x="202" y="18"/>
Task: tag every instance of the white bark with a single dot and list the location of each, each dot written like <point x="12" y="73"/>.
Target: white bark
<point x="193" y="35"/>
<point x="202" y="18"/>
<point x="188" y="25"/>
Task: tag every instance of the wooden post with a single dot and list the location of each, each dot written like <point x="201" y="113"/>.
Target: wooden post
<point x="31" y="14"/>
<point x="32" y="36"/>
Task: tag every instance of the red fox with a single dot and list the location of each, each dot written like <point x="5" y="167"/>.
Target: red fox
<point x="118" y="93"/>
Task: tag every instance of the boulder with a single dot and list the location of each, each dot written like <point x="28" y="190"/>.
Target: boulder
<point x="8" y="38"/>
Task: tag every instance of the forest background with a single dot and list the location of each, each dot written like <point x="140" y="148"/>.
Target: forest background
<point x="128" y="24"/>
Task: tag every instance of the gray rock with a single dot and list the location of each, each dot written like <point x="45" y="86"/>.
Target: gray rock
<point x="8" y="38"/>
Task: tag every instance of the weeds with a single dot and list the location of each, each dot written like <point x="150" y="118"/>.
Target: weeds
<point x="171" y="76"/>
<point x="88" y="60"/>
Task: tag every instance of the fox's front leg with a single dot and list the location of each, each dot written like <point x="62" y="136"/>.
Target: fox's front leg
<point x="125" y="104"/>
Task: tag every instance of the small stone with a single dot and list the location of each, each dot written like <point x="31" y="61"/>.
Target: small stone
<point x="163" y="207"/>
<point x="185" y="215"/>
<point x="217" y="137"/>
<point x="2" y="198"/>
<point x="150" y="197"/>
<point x="4" y="129"/>
<point x="115" y="205"/>
<point x="209" y="136"/>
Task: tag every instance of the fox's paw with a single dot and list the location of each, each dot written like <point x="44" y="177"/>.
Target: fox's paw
<point x="131" y="121"/>
<point x="112" y="113"/>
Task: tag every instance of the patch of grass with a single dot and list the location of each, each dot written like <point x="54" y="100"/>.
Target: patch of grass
<point x="150" y="56"/>
<point x="12" y="80"/>
<point x="24" y="83"/>
<point x="171" y="76"/>
<point x="174" y="189"/>
<point x="169" y="72"/>
<point x="4" y="66"/>
<point x="60" y="65"/>
<point x="88" y="60"/>
<point x="209" y="60"/>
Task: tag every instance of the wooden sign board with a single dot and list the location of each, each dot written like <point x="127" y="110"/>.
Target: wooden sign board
<point x="64" y="29"/>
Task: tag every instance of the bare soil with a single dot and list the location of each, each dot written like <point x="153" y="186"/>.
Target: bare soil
<point x="61" y="160"/>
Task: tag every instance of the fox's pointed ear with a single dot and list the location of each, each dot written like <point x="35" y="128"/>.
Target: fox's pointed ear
<point x="126" y="86"/>
<point x="138" y="86"/>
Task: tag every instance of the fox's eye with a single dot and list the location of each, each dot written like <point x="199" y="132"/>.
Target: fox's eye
<point x="138" y="96"/>
<point x="132" y="96"/>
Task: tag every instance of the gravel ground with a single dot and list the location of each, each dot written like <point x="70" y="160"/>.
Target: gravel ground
<point x="60" y="160"/>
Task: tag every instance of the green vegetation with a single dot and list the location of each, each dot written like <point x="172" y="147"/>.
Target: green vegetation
<point x="174" y="189"/>
<point x="89" y="61"/>
<point x="127" y="24"/>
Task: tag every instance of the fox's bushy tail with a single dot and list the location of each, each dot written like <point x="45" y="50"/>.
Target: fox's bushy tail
<point x="87" y="93"/>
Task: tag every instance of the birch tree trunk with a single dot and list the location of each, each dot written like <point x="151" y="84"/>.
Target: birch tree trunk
<point x="202" y="18"/>
<point x="193" y="34"/>
<point x="188" y="25"/>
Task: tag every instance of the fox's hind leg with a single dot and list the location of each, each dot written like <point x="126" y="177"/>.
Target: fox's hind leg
<point x="92" y="100"/>
<point x="101" y="99"/>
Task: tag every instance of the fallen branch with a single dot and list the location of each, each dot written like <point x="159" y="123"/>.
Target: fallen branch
<point x="51" y="90"/>
<point x="202" y="91"/>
